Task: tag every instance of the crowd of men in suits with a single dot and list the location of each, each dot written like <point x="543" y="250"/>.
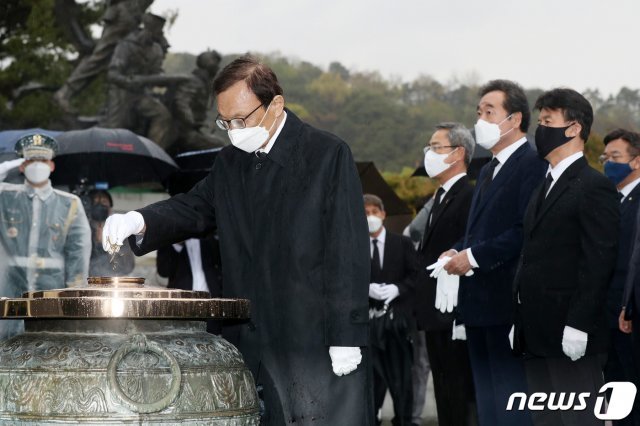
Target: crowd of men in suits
<point x="510" y="276"/>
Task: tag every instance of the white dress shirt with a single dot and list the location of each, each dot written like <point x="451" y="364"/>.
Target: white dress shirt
<point x="559" y="169"/>
<point x="626" y="190"/>
<point x="199" y="282"/>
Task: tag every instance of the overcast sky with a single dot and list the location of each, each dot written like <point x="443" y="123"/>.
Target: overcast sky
<point x="543" y="43"/>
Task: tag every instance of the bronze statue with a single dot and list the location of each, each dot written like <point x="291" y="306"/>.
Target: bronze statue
<point x="135" y="69"/>
<point x="121" y="18"/>
<point x="189" y="103"/>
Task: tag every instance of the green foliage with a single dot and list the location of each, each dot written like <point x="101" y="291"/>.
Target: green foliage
<point x="413" y="190"/>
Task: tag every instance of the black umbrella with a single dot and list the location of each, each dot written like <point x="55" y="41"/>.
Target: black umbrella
<point x="194" y="166"/>
<point x="115" y="156"/>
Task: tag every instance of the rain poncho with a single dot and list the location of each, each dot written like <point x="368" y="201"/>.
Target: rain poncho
<point x="45" y="242"/>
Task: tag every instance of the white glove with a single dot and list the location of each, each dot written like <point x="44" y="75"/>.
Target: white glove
<point x="574" y="343"/>
<point x="459" y="332"/>
<point x="447" y="292"/>
<point x="374" y="291"/>
<point x="389" y="292"/>
<point x="7" y="166"/>
<point x="118" y="227"/>
<point x="344" y="359"/>
<point x="511" y="336"/>
<point x="438" y="267"/>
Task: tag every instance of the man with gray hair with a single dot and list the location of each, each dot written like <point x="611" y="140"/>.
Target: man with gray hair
<point x="446" y="159"/>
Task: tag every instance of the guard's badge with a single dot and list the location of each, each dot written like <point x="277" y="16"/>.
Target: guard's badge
<point x="12" y="232"/>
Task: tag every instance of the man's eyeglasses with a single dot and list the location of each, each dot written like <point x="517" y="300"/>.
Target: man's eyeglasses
<point x="438" y="149"/>
<point x="234" y="123"/>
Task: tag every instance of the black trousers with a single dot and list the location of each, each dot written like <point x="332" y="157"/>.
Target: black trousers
<point x="392" y="358"/>
<point x="621" y="367"/>
<point x="452" y="380"/>
<point x="563" y="375"/>
<point x="497" y="373"/>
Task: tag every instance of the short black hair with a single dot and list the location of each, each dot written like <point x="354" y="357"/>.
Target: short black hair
<point x="260" y="78"/>
<point x="515" y="99"/>
<point x="632" y="138"/>
<point x="574" y="106"/>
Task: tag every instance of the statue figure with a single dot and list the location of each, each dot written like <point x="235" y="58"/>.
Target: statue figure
<point x="120" y="18"/>
<point x="189" y="103"/>
<point x="135" y="68"/>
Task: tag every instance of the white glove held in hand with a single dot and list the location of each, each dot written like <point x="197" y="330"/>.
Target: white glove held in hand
<point x="438" y="267"/>
<point x="344" y="359"/>
<point x="459" y="332"/>
<point x="447" y="292"/>
<point x="7" y="166"/>
<point x="389" y="292"/>
<point x="120" y="226"/>
<point x="574" y="343"/>
<point x="511" y="336"/>
<point x="374" y="291"/>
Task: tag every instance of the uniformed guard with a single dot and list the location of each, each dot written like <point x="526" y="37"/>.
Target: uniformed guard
<point x="45" y="239"/>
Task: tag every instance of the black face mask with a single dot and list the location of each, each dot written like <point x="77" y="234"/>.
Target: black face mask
<point x="549" y="138"/>
<point x="99" y="212"/>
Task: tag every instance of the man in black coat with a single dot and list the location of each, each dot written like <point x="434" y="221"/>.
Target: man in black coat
<point x="391" y="305"/>
<point x="491" y="246"/>
<point x="570" y="241"/>
<point x="287" y="202"/>
<point x="447" y="157"/>
<point x="621" y="160"/>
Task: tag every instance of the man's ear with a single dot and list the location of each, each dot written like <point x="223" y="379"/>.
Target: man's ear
<point x="574" y="130"/>
<point x="52" y="165"/>
<point x="278" y="105"/>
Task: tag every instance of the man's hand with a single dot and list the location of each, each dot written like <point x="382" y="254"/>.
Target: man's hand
<point x="574" y="343"/>
<point x="624" y="325"/>
<point x="344" y="359"/>
<point x="118" y="227"/>
<point x="448" y="253"/>
<point x="459" y="264"/>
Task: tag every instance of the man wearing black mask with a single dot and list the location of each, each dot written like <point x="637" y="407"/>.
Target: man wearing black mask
<point x="568" y="255"/>
<point x="99" y="265"/>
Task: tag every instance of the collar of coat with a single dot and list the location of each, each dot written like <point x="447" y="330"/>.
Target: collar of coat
<point x="287" y="138"/>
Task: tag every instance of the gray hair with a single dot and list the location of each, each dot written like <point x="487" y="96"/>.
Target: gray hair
<point x="460" y="136"/>
<point x="374" y="200"/>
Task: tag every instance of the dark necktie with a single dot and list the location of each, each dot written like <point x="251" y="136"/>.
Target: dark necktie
<point x="375" y="262"/>
<point x="436" y="203"/>
<point x="545" y="188"/>
<point x="488" y="177"/>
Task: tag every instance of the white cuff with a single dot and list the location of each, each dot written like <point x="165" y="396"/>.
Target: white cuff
<point x="472" y="260"/>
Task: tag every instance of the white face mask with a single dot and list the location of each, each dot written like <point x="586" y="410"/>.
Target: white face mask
<point x="250" y="139"/>
<point x="488" y="134"/>
<point x="434" y="163"/>
<point x="375" y="223"/>
<point x="37" y="172"/>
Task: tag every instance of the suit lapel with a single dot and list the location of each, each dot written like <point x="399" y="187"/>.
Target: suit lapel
<point x="559" y="188"/>
<point x="449" y="196"/>
<point x="631" y="199"/>
<point x="505" y="173"/>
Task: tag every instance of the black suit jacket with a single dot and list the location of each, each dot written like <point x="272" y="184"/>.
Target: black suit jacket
<point x="619" y="293"/>
<point x="177" y="267"/>
<point x="447" y="227"/>
<point x="399" y="267"/>
<point x="628" y="256"/>
<point x="567" y="259"/>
